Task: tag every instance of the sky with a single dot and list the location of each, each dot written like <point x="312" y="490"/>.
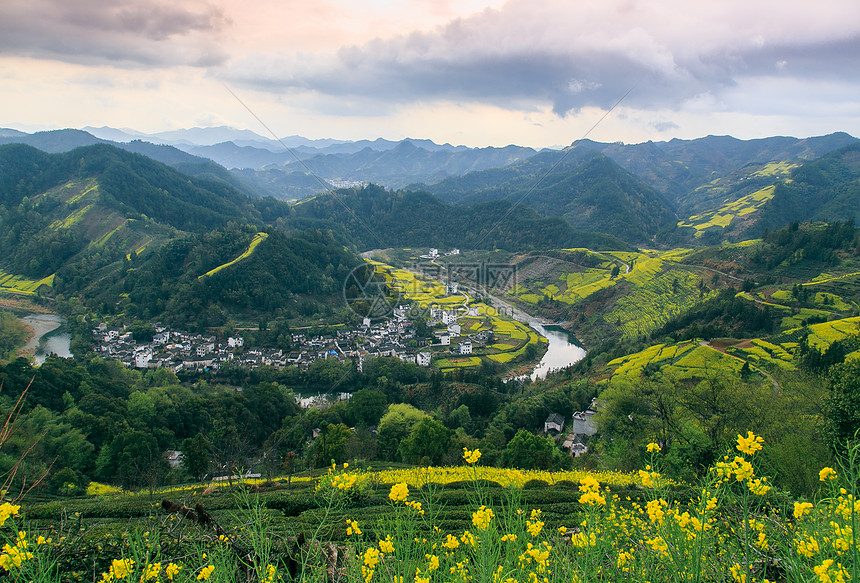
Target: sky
<point x="537" y="73"/>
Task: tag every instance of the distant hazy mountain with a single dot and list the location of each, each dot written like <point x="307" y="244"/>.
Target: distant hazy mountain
<point x="10" y="133"/>
<point x="408" y="163"/>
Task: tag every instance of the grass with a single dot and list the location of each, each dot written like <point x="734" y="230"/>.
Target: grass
<point x="258" y="238"/>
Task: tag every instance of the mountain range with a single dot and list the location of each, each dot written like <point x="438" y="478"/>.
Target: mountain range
<point x="655" y="193"/>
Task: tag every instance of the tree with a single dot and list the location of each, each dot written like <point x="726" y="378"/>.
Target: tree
<point x="366" y="407"/>
<point x="395" y="426"/>
<point x="842" y="409"/>
<point x="196" y="452"/>
<point x="530" y="452"/>
<point x="133" y="459"/>
<point x="330" y="444"/>
<point x="427" y="443"/>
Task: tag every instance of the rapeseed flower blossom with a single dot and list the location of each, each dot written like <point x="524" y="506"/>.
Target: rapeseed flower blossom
<point x="205" y="572"/>
<point x="482" y="517"/>
<point x="801" y="508"/>
<point x="386" y="546"/>
<point x="151" y="571"/>
<point x="652" y="447"/>
<point x="827" y="474"/>
<point x="399" y="492"/>
<point x="471" y="456"/>
<point x="172" y="570"/>
<point x="749" y="444"/>
<point x="7" y="510"/>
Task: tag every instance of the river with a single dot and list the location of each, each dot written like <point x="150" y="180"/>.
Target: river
<point x="561" y="352"/>
<point x="49" y="337"/>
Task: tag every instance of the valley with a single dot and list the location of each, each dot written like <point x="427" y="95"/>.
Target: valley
<point x="562" y="314"/>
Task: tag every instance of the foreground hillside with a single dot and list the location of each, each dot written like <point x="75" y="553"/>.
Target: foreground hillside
<point x="419" y="525"/>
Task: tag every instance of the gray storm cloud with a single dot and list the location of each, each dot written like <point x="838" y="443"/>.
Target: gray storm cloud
<point x="151" y="33"/>
<point x="577" y="54"/>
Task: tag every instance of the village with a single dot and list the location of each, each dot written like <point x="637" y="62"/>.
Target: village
<point x="178" y="350"/>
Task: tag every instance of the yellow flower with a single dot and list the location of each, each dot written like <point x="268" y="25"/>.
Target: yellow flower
<point x="827" y="474"/>
<point x="737" y="573"/>
<point x="658" y="544"/>
<point x="172" y="570"/>
<point x="801" y="508"/>
<point x="468" y="539"/>
<point x="451" y="542"/>
<point x="352" y="527"/>
<point x="371" y="557"/>
<point x="151" y="572"/>
<point x="121" y="568"/>
<point x="399" y="492"/>
<point x="270" y="573"/>
<point x="534" y="527"/>
<point x="652" y="447"/>
<point x="205" y="572"/>
<point x="482" y="518"/>
<point x="7" y="510"/>
<point x="589" y="484"/>
<point x="749" y="444"/>
<point x="656" y="511"/>
<point x="825" y="575"/>
<point x="509" y="538"/>
<point x="807" y="547"/>
<point x="471" y="456"/>
<point x="758" y="487"/>
<point x="433" y="562"/>
<point x="386" y="546"/>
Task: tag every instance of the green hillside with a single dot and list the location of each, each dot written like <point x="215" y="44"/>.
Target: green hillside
<point x="128" y="236"/>
<point x="374" y="218"/>
<point x="588" y="190"/>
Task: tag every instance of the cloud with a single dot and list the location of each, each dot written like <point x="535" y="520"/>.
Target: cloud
<point x="575" y="54"/>
<point x="146" y="32"/>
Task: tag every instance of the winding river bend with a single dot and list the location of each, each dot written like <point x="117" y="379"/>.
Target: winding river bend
<point x="561" y="352"/>
<point x="48" y="337"/>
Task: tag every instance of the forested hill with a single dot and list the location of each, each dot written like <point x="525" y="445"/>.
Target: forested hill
<point x="587" y="189"/>
<point x="131" y="184"/>
<point x="373" y="217"/>
<point x="824" y="189"/>
<point x="60" y="141"/>
<point x="678" y="167"/>
<point x="125" y="234"/>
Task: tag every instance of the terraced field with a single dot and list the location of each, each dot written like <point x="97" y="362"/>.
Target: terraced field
<point x="686" y="361"/>
<point x="258" y="238"/>
<point x="778" y="351"/>
<point x="512" y="338"/>
<point x="657" y="287"/>
<point x="22" y="285"/>
<point x="724" y="215"/>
